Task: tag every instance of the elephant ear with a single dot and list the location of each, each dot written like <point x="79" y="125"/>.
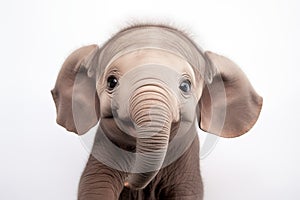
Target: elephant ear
<point x="74" y="94"/>
<point x="229" y="106"/>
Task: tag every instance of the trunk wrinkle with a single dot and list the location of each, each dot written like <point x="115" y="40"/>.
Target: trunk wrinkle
<point x="151" y="114"/>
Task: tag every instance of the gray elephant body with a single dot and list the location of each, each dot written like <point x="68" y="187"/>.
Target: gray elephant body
<point x="149" y="85"/>
<point x="179" y="180"/>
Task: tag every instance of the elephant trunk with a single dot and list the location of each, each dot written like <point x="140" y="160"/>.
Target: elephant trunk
<point x="152" y="116"/>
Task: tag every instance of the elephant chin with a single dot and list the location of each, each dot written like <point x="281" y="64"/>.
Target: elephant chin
<point x="152" y="116"/>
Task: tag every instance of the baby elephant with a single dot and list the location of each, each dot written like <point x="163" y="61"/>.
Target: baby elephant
<point x="148" y="87"/>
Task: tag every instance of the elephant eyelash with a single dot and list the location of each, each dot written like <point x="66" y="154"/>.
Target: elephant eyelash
<point x="114" y="72"/>
<point x="185" y="77"/>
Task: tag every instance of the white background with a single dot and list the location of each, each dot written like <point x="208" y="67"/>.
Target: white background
<point x="40" y="160"/>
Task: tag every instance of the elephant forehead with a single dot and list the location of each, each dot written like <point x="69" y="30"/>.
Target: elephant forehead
<point x="148" y="74"/>
<point x="129" y="61"/>
<point x="153" y="37"/>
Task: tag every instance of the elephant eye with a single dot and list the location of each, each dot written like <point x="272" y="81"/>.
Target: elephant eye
<point x="112" y="82"/>
<point x="185" y="86"/>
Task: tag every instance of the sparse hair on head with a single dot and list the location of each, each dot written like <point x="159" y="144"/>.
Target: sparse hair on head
<point x="175" y="40"/>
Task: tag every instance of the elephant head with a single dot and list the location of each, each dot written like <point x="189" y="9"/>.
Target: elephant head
<point x="143" y="82"/>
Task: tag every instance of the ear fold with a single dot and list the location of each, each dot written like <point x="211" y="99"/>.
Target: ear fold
<point x="229" y="105"/>
<point x="74" y="94"/>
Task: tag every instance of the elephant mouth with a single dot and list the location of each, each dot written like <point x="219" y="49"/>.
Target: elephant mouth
<point x="126" y="125"/>
<point x="116" y="135"/>
<point x="123" y="139"/>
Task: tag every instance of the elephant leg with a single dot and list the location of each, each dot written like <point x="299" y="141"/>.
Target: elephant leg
<point x="100" y="182"/>
<point x="182" y="179"/>
<point x="148" y="193"/>
<point x="128" y="194"/>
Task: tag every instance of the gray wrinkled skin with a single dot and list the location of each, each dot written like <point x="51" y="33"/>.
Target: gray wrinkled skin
<point x="146" y="145"/>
